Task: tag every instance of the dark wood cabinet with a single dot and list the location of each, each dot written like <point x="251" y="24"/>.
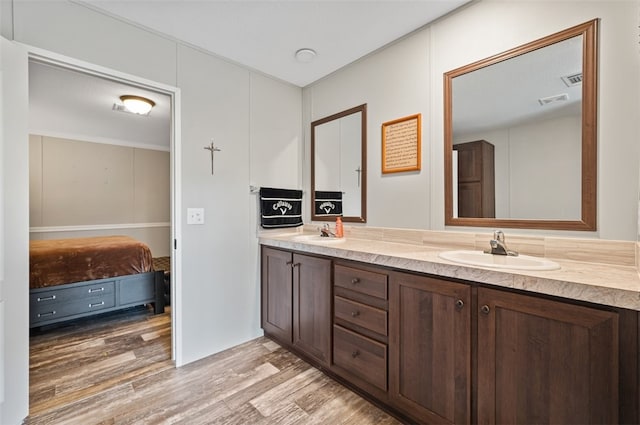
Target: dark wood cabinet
<point x="360" y="326"/>
<point x="312" y="306"/>
<point x="430" y="348"/>
<point x="277" y="294"/>
<point x="476" y="179"/>
<point x="296" y="301"/>
<point x="543" y="361"/>
<point x="435" y="350"/>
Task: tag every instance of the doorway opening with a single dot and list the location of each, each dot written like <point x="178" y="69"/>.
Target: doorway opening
<point x="97" y="171"/>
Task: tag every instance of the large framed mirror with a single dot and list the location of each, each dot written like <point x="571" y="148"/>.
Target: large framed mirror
<point x="338" y="166"/>
<point x="521" y="134"/>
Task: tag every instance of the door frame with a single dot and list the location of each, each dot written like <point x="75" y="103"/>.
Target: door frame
<point x="45" y="56"/>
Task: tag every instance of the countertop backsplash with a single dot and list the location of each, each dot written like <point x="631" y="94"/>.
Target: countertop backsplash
<point x="601" y="251"/>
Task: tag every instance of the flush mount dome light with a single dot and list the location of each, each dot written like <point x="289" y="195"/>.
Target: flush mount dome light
<point x="137" y="104"/>
<point x="305" y="55"/>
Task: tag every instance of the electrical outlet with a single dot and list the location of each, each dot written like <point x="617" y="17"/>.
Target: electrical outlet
<point x="195" y="215"/>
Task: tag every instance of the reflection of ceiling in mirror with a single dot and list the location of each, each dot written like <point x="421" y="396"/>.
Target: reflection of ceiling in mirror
<point x="508" y="93"/>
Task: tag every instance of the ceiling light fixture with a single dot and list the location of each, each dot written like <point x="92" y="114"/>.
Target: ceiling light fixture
<point x="305" y="55"/>
<point x="553" y="99"/>
<point x="137" y="104"/>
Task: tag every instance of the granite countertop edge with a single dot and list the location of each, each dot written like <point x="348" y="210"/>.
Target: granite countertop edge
<point x="608" y="285"/>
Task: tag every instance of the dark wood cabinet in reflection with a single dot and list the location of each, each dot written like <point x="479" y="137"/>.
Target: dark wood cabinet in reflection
<point x="476" y="179"/>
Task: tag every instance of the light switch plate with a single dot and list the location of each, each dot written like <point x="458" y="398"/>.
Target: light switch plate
<point x="195" y="215"/>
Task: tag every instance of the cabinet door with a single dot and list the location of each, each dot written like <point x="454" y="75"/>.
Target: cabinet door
<point x="542" y="361"/>
<point x="429" y="348"/>
<point x="312" y="306"/>
<point x="470" y="200"/>
<point x="277" y="294"/>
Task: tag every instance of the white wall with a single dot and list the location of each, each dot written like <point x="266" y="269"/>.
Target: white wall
<point x="79" y="188"/>
<point x="255" y="120"/>
<point x="557" y="183"/>
<point x="14" y="203"/>
<point x="519" y="152"/>
<point x="393" y="83"/>
<point x="407" y="78"/>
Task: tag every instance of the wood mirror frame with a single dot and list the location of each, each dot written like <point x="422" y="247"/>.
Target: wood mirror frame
<point x="362" y="110"/>
<point x="588" y="31"/>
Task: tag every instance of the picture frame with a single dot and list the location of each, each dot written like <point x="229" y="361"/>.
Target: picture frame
<point x="401" y="144"/>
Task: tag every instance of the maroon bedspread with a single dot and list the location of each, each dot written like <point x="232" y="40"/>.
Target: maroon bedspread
<point x="58" y="261"/>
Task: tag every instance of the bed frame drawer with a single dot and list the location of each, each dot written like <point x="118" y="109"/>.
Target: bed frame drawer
<point x="82" y="299"/>
<point x="56" y="294"/>
<point x="79" y="307"/>
<point x="65" y="301"/>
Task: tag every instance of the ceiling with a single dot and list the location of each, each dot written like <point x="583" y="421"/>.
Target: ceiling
<point x="264" y="35"/>
<point x="70" y="104"/>
<point x="261" y="35"/>
<point x="519" y="90"/>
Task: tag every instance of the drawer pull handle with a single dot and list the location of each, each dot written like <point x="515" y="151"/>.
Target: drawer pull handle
<point x="355" y="354"/>
<point x="92" y="290"/>
<point x="355" y="280"/>
<point x="459" y="304"/>
<point x="96" y="304"/>
<point x="485" y="309"/>
<point x="48" y="313"/>
<point x="49" y="298"/>
<point x="355" y="313"/>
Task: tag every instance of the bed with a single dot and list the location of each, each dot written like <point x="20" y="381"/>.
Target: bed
<point x="81" y="277"/>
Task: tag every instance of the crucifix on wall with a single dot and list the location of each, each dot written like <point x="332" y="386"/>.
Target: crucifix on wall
<point x="211" y="148"/>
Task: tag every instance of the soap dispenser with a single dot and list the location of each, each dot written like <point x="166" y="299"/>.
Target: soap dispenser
<point x="339" y="227"/>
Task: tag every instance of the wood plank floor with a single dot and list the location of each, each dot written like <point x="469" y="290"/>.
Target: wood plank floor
<point x="118" y="371"/>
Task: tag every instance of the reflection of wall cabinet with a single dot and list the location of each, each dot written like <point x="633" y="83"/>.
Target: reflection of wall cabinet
<point x="296" y="301"/>
<point x="476" y="179"/>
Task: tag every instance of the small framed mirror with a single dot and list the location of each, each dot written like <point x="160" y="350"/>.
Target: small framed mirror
<point x="521" y="134"/>
<point x="338" y="166"/>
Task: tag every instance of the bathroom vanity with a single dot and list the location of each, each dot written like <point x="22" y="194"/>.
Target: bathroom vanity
<point x="436" y="342"/>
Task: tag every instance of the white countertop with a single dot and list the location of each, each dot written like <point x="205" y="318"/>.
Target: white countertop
<point x="617" y="286"/>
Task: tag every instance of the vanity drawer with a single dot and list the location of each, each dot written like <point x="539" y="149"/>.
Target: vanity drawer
<point x="361" y="315"/>
<point x="360" y="356"/>
<point x="363" y="281"/>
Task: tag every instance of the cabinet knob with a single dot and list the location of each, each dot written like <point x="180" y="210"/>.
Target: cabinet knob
<point x="459" y="304"/>
<point x="355" y="280"/>
<point x="485" y="309"/>
<point x="355" y="354"/>
<point x="355" y="313"/>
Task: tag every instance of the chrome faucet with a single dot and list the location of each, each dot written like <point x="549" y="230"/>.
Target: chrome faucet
<point x="499" y="246"/>
<point x="326" y="232"/>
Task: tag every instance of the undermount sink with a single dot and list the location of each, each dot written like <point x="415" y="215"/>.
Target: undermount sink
<point x="316" y="238"/>
<point x="480" y="258"/>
